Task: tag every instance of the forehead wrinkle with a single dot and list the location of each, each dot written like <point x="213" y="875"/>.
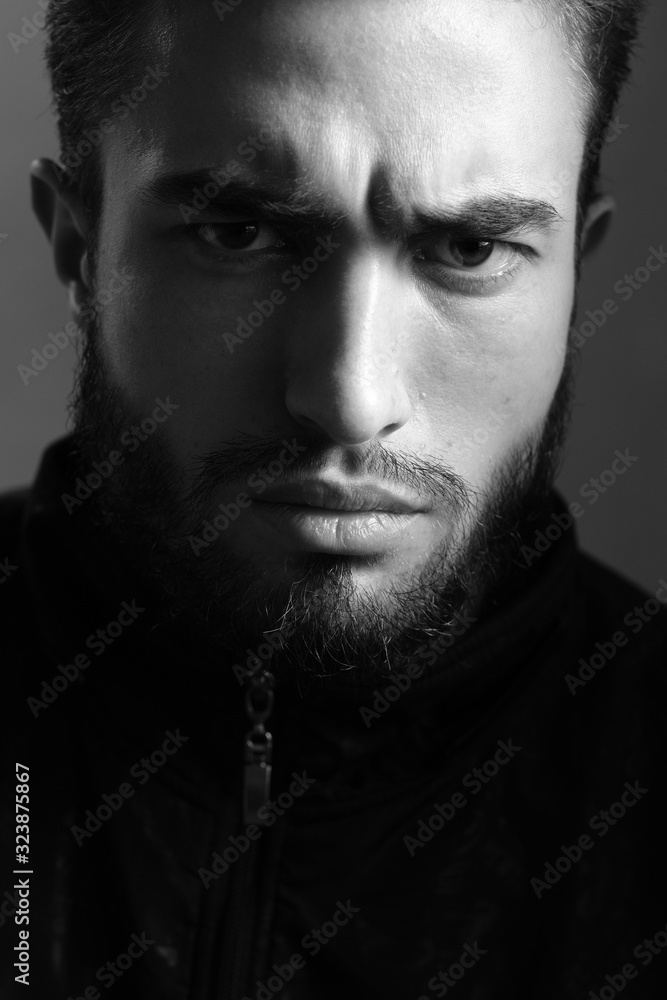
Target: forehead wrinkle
<point x="493" y="211"/>
<point x="306" y="116"/>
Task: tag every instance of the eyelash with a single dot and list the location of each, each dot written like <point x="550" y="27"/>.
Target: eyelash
<point x="467" y="281"/>
<point x="248" y="259"/>
<point x="462" y="281"/>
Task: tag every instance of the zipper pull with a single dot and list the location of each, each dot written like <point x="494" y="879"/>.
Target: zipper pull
<point x="258" y="747"/>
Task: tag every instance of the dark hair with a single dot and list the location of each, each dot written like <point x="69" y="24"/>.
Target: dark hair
<point x="93" y="55"/>
<point x="600" y="36"/>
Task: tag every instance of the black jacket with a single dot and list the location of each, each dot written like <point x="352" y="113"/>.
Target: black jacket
<point x="491" y="830"/>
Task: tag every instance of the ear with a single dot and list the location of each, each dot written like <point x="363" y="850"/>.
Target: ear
<point x="596" y="223"/>
<point x="61" y="216"/>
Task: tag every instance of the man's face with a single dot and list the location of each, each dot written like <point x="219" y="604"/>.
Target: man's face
<point x="386" y="285"/>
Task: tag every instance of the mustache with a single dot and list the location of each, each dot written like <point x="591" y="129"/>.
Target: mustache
<point x="238" y="460"/>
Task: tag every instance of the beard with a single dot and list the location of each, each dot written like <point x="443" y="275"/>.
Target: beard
<point x="318" y="627"/>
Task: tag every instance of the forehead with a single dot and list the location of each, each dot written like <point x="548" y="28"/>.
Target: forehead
<point x="425" y="99"/>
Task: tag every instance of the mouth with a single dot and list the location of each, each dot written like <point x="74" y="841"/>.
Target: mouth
<point x="357" y="531"/>
<point x="330" y="497"/>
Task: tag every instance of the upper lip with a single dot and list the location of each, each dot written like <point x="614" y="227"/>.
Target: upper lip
<point x="341" y="496"/>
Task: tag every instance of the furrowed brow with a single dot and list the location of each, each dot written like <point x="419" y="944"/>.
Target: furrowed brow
<point x="493" y="218"/>
<point x="301" y="207"/>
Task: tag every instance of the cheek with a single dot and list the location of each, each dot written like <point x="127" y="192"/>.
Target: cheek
<point x="157" y="343"/>
<point x="494" y="370"/>
<point x="165" y="335"/>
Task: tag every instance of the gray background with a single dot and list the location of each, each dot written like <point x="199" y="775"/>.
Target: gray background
<point x="621" y="388"/>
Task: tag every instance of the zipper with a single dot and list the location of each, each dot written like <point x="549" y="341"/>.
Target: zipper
<point x="258" y="746"/>
<point x="236" y="957"/>
<point x="256" y="793"/>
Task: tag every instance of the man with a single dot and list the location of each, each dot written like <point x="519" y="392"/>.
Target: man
<point x="313" y="694"/>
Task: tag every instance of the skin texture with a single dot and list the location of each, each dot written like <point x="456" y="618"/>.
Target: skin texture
<point x="388" y="357"/>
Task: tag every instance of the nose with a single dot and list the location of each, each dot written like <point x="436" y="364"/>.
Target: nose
<point x="345" y="365"/>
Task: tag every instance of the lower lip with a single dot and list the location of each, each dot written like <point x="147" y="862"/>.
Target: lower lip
<point x="343" y="532"/>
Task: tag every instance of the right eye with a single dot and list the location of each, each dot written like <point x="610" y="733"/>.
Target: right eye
<point x="245" y="235"/>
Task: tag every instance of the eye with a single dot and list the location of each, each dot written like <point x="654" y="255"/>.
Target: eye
<point x="239" y="235"/>
<point x="472" y="265"/>
<point x="469" y="253"/>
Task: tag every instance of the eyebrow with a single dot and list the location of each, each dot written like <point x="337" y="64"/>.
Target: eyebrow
<point x="300" y="205"/>
<point x="493" y="217"/>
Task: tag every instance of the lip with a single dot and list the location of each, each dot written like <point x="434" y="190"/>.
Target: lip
<point x="359" y="497"/>
<point x="307" y="528"/>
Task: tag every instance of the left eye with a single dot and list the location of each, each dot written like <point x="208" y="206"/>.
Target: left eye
<point x="468" y="254"/>
<point x="244" y="234"/>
